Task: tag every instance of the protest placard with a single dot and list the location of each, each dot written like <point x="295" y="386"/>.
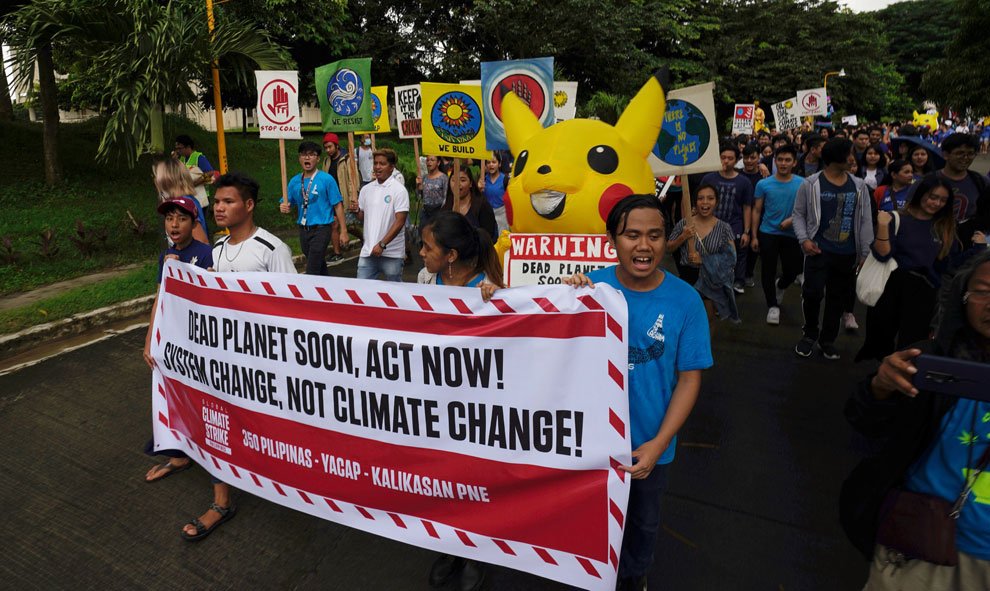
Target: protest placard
<point x="379" y="110"/>
<point x="850" y="120"/>
<point x="343" y="89"/>
<point x="489" y="430"/>
<point x="688" y="140"/>
<point x="545" y="259"/>
<point x="784" y="114"/>
<point x="564" y="100"/>
<point x="811" y="102"/>
<point x="409" y="111"/>
<point x="531" y="80"/>
<point x="742" y="119"/>
<point x="278" y="104"/>
<point x="453" y="122"/>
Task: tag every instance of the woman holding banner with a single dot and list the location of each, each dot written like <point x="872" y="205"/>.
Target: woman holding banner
<point x="456" y="253"/>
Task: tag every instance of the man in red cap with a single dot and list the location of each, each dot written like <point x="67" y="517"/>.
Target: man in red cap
<point x="338" y="166"/>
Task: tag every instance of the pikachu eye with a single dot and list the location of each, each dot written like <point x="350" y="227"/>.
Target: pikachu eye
<point x="520" y="162"/>
<point x="603" y="159"/>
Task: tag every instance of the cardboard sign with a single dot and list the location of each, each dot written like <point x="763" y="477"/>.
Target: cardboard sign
<point x="409" y="111"/>
<point x="278" y="104"/>
<point x="812" y="103"/>
<point x="343" y="89"/>
<point x="742" y="119"/>
<point x="688" y="140"/>
<point x="379" y="110"/>
<point x="531" y="80"/>
<point x="785" y="114"/>
<point x="564" y="100"/>
<point x="453" y="121"/>
<point x="545" y="259"/>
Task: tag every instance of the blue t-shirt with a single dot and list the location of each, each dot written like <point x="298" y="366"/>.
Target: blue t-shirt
<point x="733" y="194"/>
<point x="778" y="203"/>
<point x="495" y="190"/>
<point x="836" y="230"/>
<point x="477" y="279"/>
<point x="668" y="333"/>
<point x="943" y="470"/>
<point x="204" y="164"/>
<point x="323" y="196"/>
<point x="196" y="253"/>
<point x="891" y="200"/>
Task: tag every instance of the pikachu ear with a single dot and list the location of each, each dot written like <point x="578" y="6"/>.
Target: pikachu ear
<point x="640" y="123"/>
<point x="519" y="121"/>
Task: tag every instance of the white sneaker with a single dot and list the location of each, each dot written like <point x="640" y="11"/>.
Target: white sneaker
<point x="780" y="292"/>
<point x="849" y="322"/>
<point x="773" y="315"/>
<point x="800" y="279"/>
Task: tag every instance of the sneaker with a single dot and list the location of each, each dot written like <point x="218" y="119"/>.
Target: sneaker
<point x="444" y="569"/>
<point x="800" y="279"/>
<point x="849" y="322"/>
<point x="750" y="282"/>
<point x="805" y="347"/>
<point x="773" y="315"/>
<point x="336" y="258"/>
<point x="739" y="287"/>
<point x="779" y="291"/>
<point x="829" y="351"/>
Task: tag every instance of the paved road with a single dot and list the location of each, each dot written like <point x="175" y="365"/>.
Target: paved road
<point x="751" y="505"/>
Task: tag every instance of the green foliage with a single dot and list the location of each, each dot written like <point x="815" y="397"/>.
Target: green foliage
<point x="961" y="79"/>
<point x="918" y="31"/>
<point x="605" y="106"/>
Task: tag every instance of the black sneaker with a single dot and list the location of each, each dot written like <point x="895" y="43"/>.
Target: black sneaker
<point x="444" y="569"/>
<point x="336" y="258"/>
<point x="829" y="351"/>
<point x="805" y="347"/>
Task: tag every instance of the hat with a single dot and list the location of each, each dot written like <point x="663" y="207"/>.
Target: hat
<point x="184" y="203"/>
<point x="331" y="137"/>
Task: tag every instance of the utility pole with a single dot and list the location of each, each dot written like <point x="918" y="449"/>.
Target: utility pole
<point x="217" y="103"/>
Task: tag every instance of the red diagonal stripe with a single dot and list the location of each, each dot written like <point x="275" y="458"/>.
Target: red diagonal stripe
<point x="616" y="512"/>
<point x="170" y="273"/>
<point x="387" y="299"/>
<point x="615" y="466"/>
<point x="244" y="285"/>
<point x="465" y="539"/>
<point x="255" y="479"/>
<point x="220" y="282"/>
<point x="504" y="547"/>
<point x="278" y="489"/>
<point x="461" y="306"/>
<point x="158" y="337"/>
<point x="503" y="307"/>
<point x="333" y="505"/>
<point x="546" y="305"/>
<point x="163" y="419"/>
<point x="398" y="520"/>
<point x="615" y="374"/>
<point x="233" y="469"/>
<point x="268" y="287"/>
<point x="364" y="512"/>
<point x="295" y="291"/>
<point x="201" y="280"/>
<point x="354" y="296"/>
<point x="323" y="294"/>
<point x="543" y="554"/>
<point x="425" y="305"/>
<point x="614" y="326"/>
<point x="613" y="558"/>
<point x="305" y="497"/>
<point x="588" y="567"/>
<point x="616" y="422"/>
<point x="216" y="463"/>
<point x="590" y="302"/>
<point x="430" y="529"/>
<point x="161" y="391"/>
<point x="201" y="454"/>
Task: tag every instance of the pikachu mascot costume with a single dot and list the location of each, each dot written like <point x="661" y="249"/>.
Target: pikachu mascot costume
<point x="567" y="177"/>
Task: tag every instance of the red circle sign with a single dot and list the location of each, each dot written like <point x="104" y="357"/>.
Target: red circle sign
<point x="273" y="101"/>
<point x="526" y="88"/>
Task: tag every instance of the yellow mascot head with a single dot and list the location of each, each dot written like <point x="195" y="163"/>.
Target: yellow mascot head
<point x="567" y="177"/>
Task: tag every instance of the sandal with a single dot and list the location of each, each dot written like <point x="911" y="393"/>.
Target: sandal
<point x="167" y="469"/>
<point x="226" y="513"/>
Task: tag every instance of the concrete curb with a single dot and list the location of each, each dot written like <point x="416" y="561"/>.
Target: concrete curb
<point x="18" y="342"/>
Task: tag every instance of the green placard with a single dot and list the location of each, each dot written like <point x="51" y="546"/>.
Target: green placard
<point x="344" y="91"/>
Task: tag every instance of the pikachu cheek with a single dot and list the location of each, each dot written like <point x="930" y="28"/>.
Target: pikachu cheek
<point x="610" y="197"/>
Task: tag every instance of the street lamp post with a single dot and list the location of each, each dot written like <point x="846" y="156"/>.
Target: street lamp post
<point x="841" y="74"/>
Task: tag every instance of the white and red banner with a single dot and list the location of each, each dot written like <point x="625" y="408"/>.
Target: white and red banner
<point x="490" y="430"/>
<point x="278" y="104"/>
<point x="742" y="119"/>
<point x="409" y="111"/>
<point x="812" y="103"/>
<point x="545" y="259"/>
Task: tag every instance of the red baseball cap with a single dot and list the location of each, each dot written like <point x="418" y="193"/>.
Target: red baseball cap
<point x="331" y="137"/>
<point x="184" y="203"/>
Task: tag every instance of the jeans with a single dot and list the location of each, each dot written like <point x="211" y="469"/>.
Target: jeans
<point x="827" y="276"/>
<point x="785" y="248"/>
<point x="389" y="267"/>
<point x="642" y="523"/>
<point x="313" y="240"/>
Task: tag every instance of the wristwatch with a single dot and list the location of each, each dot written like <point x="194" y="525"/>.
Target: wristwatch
<point x="382" y="245"/>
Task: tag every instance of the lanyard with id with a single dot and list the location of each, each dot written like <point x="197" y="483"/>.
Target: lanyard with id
<point x="305" y="189"/>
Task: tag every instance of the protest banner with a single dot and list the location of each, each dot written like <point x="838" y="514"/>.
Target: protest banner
<point x="453" y="123"/>
<point x="688" y="140"/>
<point x="784" y="114"/>
<point x="278" y="111"/>
<point x="850" y="120"/>
<point x="490" y="430"/>
<point x="531" y="80"/>
<point x="545" y="259"/>
<point x="742" y="119"/>
<point x="409" y="111"/>
<point x="564" y="100"/>
<point x="811" y="103"/>
<point x="379" y="111"/>
<point x="343" y="89"/>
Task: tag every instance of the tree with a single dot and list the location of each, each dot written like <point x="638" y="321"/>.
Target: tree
<point x="918" y="31"/>
<point x="961" y="79"/>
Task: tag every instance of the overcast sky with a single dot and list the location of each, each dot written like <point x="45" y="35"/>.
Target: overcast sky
<point x="866" y="5"/>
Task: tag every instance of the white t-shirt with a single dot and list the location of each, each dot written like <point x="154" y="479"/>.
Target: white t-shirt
<point x="262" y="252"/>
<point x="366" y="162"/>
<point x="380" y="202"/>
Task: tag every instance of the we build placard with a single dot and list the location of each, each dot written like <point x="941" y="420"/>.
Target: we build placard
<point x="488" y="430"/>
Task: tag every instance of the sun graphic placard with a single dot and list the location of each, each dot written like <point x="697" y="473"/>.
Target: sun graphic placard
<point x="453" y="122"/>
<point x="379" y="110"/>
<point x="564" y="100"/>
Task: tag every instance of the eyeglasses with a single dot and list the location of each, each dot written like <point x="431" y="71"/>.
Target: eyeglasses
<point x="309" y="155"/>
<point x="967" y="155"/>
<point x="977" y="296"/>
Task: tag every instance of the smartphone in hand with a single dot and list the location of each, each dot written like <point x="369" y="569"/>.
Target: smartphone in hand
<point x="953" y="377"/>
